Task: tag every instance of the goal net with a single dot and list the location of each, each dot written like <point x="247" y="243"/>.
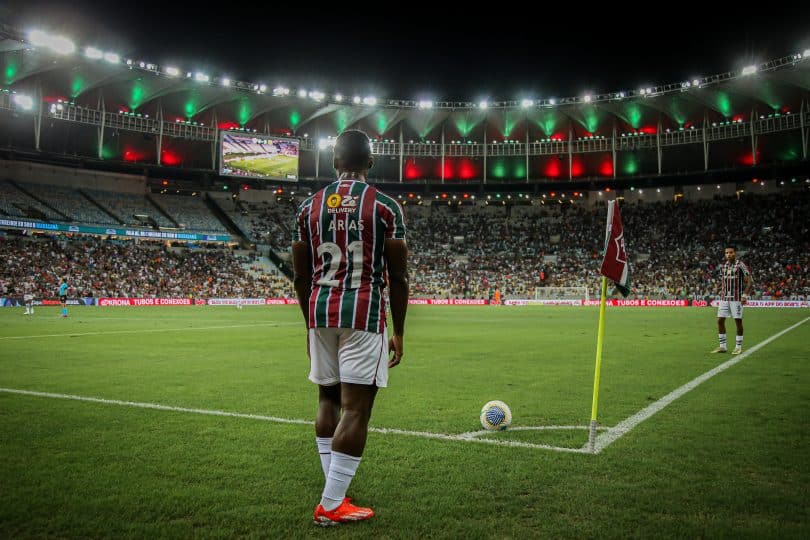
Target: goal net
<point x="561" y="293"/>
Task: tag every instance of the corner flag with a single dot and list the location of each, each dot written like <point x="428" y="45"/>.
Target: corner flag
<point x="615" y="268"/>
<point x="614" y="263"/>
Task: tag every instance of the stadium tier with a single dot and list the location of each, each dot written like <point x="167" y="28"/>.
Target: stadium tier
<point x="471" y="251"/>
<point x="113" y="268"/>
<point x="742" y="120"/>
<point x="189" y="213"/>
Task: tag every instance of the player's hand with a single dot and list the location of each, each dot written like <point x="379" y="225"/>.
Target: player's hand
<point x="396" y="346"/>
<point x="744" y="300"/>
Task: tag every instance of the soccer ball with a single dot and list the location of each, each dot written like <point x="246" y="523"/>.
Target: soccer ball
<point x="496" y="416"/>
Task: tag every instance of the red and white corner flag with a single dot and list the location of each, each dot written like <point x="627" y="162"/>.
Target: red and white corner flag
<point x="614" y="263"/>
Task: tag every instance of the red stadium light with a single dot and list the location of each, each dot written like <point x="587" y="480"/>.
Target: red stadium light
<point x="165" y="183"/>
<point x="410" y="195"/>
<point x="245" y="187"/>
<point x="607" y="189"/>
<point x="553" y="194"/>
<point x="466" y="195"/>
<point x="444" y="195"/>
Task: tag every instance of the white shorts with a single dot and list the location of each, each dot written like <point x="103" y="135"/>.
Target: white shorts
<point x="349" y="356"/>
<point x="28" y="297"/>
<point x="729" y="308"/>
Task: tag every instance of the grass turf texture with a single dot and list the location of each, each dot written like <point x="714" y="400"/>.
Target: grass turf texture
<point x="727" y="459"/>
<point x="276" y="167"/>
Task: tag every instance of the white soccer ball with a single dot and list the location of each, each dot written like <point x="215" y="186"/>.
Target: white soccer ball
<point x="496" y="416"/>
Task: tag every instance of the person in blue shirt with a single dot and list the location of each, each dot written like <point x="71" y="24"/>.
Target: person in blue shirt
<point x="63" y="291"/>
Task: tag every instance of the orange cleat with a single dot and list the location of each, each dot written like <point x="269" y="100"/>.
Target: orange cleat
<point x="345" y="513"/>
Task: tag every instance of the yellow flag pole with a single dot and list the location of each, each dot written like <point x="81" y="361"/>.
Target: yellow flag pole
<point x="598" y="369"/>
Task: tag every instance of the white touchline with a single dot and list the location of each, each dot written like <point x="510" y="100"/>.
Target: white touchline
<point x="625" y="426"/>
<point x="151" y="331"/>
<point x="384" y="431"/>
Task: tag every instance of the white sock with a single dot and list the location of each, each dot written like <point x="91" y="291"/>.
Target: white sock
<point x="722" y="340"/>
<point x="325" y="450"/>
<point x="739" y="341"/>
<point x="341" y="472"/>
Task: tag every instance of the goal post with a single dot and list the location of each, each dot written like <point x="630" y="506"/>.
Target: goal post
<point x="561" y="293"/>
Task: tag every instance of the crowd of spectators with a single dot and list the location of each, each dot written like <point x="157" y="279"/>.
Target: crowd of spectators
<point x="470" y="251"/>
<point x="111" y="268"/>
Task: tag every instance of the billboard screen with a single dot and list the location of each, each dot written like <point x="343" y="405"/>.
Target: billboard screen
<point x="270" y="158"/>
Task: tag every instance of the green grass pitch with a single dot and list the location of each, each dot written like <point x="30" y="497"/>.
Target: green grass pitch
<point x="728" y="459"/>
<point x="278" y="166"/>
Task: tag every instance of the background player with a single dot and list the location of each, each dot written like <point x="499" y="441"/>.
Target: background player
<point x="736" y="284"/>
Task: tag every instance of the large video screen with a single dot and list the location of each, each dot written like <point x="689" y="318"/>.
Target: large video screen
<point x="248" y="156"/>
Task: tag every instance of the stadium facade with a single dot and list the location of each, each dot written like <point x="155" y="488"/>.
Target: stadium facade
<point x="103" y="111"/>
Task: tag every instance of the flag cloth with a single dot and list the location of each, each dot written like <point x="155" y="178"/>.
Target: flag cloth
<point x="614" y="263"/>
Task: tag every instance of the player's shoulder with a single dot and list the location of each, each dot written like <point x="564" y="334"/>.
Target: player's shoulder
<point x="305" y="204"/>
<point x="386" y="200"/>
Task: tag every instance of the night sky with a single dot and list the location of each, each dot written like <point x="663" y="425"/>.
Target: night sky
<point x="417" y="54"/>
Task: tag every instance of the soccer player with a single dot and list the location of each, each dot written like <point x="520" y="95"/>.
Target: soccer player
<point x="348" y="238"/>
<point x="63" y="290"/>
<point x="28" y="298"/>
<point x="736" y="285"/>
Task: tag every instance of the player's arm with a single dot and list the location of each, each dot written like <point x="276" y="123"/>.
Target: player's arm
<point x="749" y="283"/>
<point x="749" y="286"/>
<point x="396" y="261"/>
<point x="302" y="275"/>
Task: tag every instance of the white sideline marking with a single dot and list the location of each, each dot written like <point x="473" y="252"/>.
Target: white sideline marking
<point x="527" y="428"/>
<point x="152" y="331"/>
<point x="625" y="426"/>
<point x="384" y="431"/>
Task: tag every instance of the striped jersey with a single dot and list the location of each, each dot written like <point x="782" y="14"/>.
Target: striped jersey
<point x="732" y="276"/>
<point x="345" y="225"/>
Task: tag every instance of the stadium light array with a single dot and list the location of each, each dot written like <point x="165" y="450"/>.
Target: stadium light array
<point x="262" y="88"/>
<point x="806" y="54"/>
<point x="749" y="70"/>
<point x="112" y="58"/>
<point x="317" y="95"/>
<point x="323" y="144"/>
<point x="201" y="77"/>
<point x="93" y="54"/>
<point x="226" y="82"/>
<point x="172" y="71"/>
<point x="526" y="103"/>
<point x="587" y="98"/>
<point x="357" y="100"/>
<point x="279" y="91"/>
<point x="370" y="101"/>
<point x="26" y="103"/>
<point x="425" y="105"/>
<point x="302" y="93"/>
<point x="483" y="105"/>
<point x="339" y="98"/>
<point x="552" y="101"/>
<point x="57" y="44"/>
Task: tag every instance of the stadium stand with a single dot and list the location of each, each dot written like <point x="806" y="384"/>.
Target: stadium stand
<point x="16" y="203"/>
<point x="71" y="203"/>
<point x="460" y="252"/>
<point x="190" y="213"/>
<point x="111" y="268"/>
<point x="127" y="205"/>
